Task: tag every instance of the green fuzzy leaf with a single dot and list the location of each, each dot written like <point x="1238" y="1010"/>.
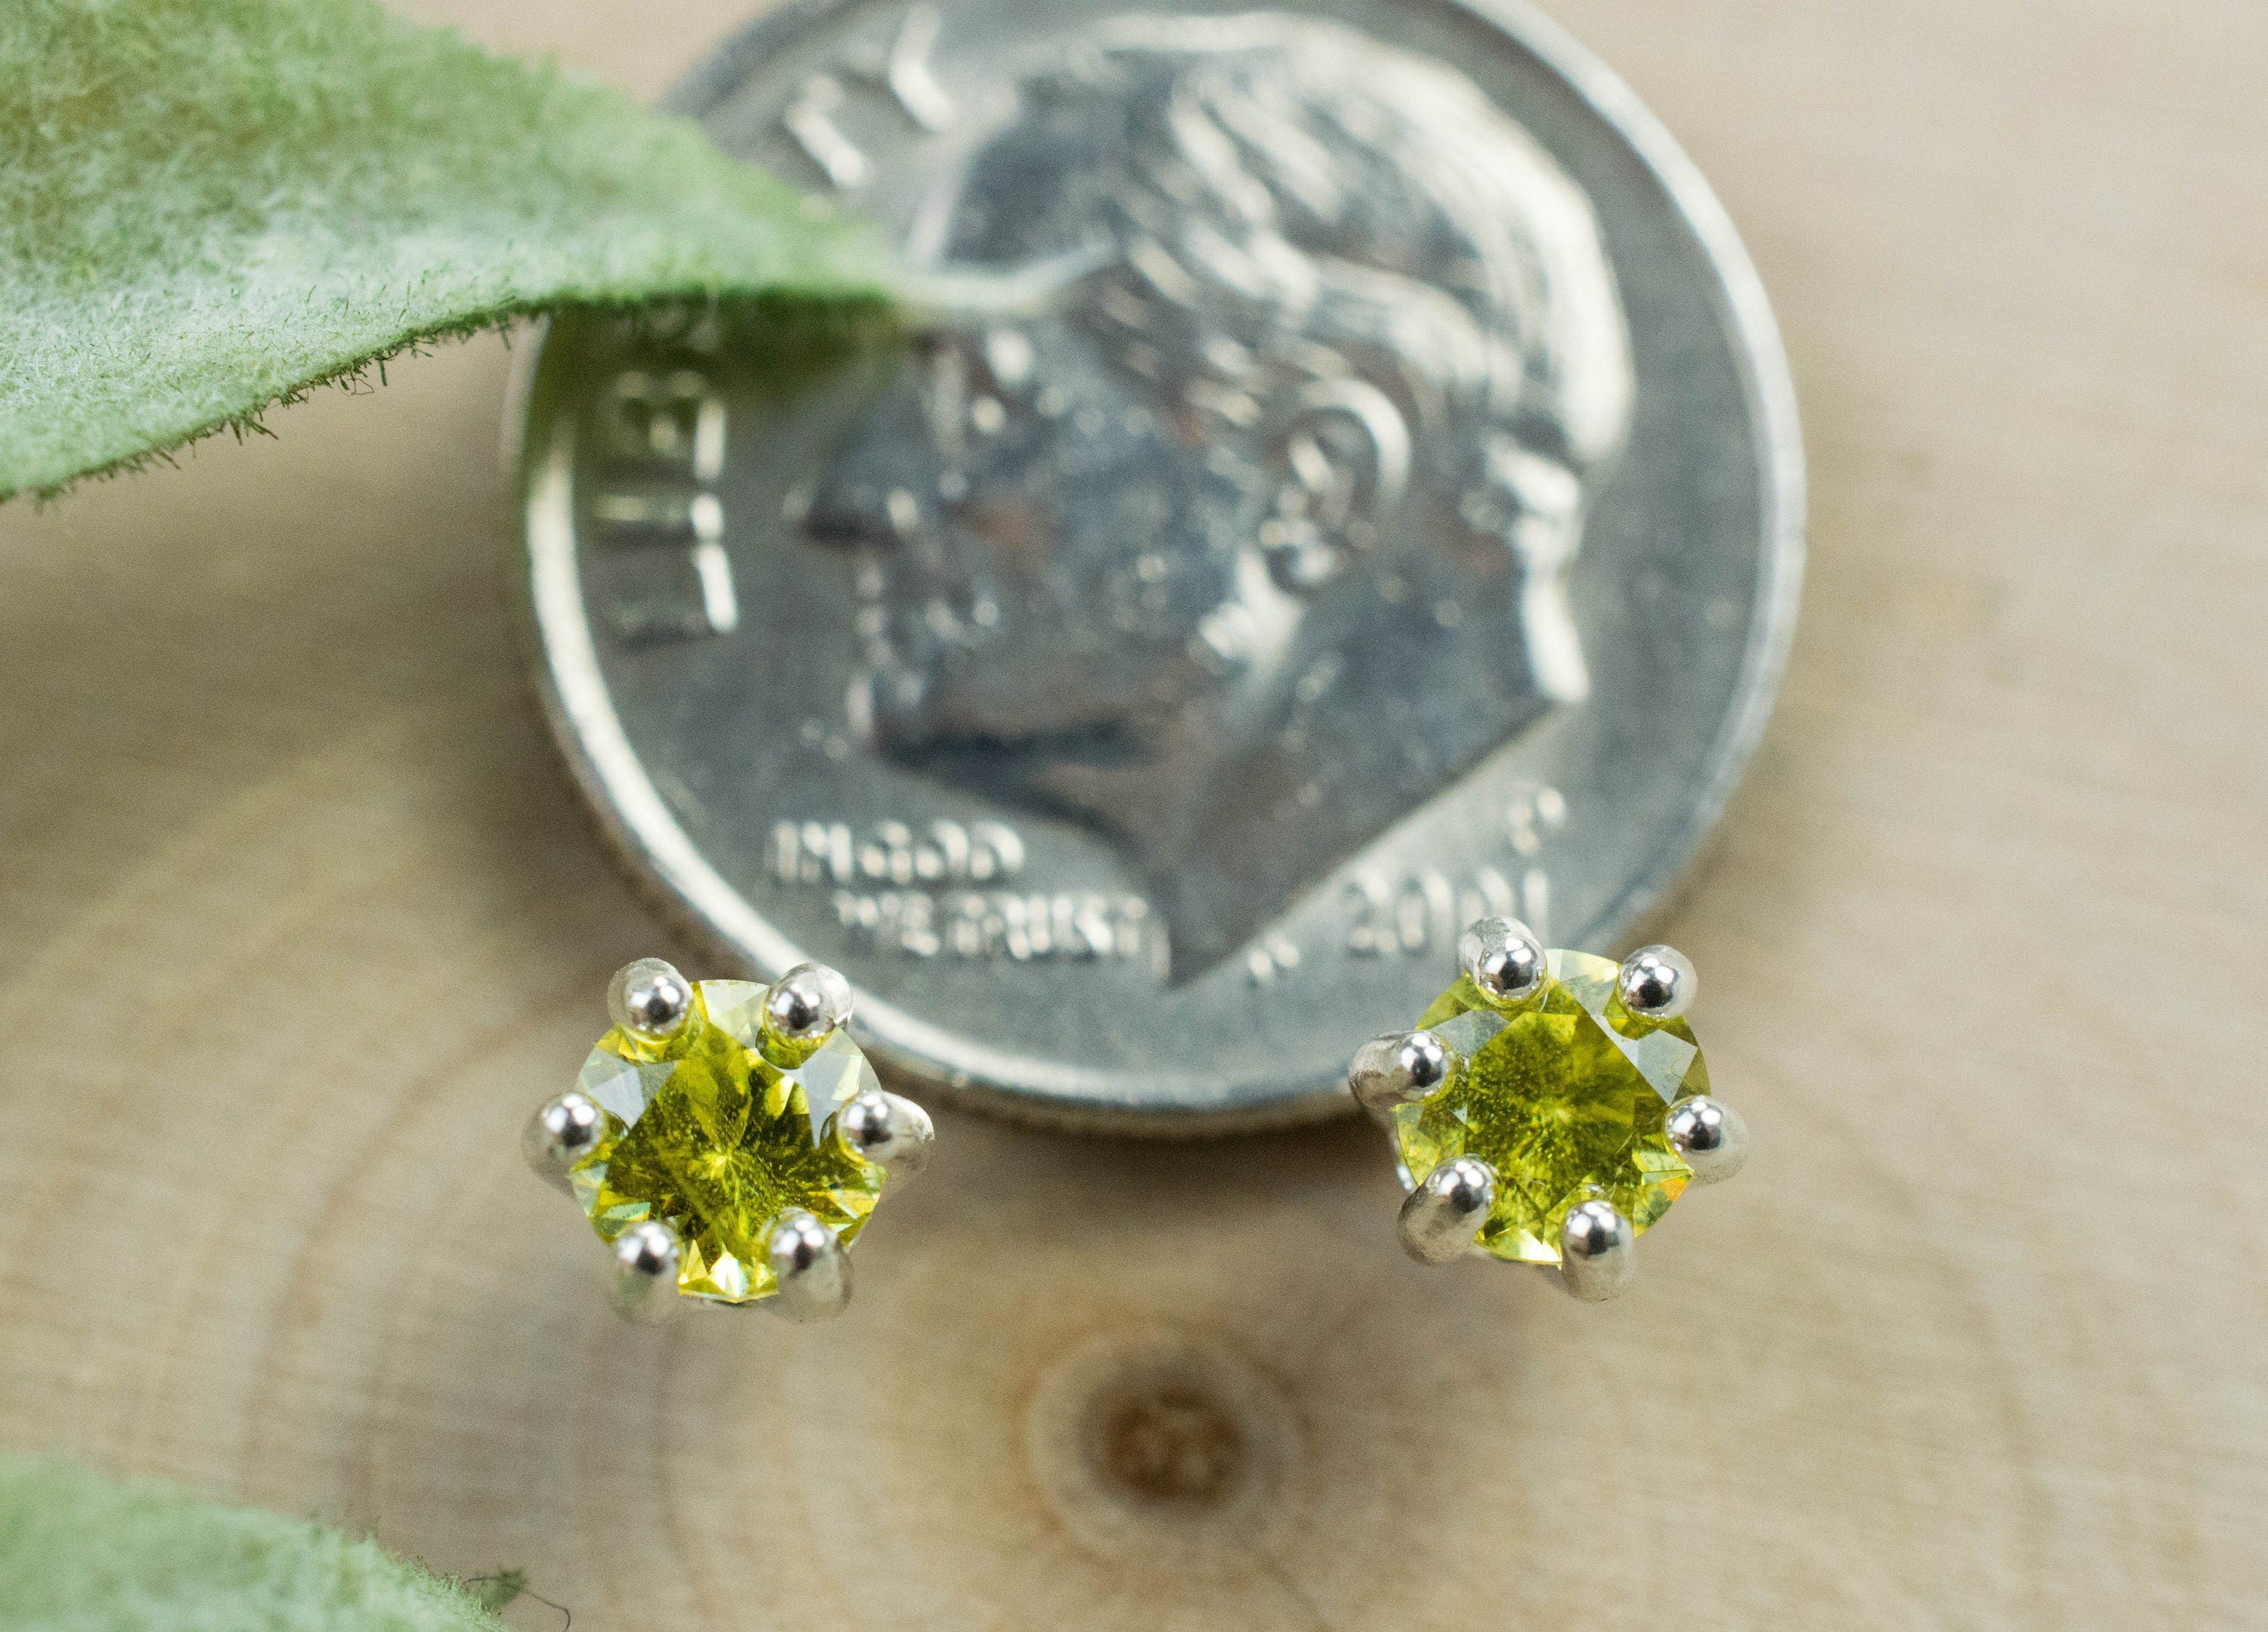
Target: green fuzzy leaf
<point x="80" y="1553"/>
<point x="494" y="1592"/>
<point x="207" y="206"/>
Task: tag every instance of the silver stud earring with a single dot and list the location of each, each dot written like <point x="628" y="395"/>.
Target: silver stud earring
<point x="1549" y="1107"/>
<point x="728" y="1141"/>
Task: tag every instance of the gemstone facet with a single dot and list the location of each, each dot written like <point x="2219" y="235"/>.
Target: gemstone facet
<point x="1563" y="1094"/>
<point x="718" y="1130"/>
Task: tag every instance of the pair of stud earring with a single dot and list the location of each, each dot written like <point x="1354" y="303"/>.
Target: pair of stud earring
<point x="728" y="1140"/>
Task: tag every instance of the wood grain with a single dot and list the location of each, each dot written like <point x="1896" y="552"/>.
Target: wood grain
<point x="296" y="919"/>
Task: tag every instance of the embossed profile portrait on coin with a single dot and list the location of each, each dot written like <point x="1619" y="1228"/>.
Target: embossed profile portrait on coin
<point x="1251" y="531"/>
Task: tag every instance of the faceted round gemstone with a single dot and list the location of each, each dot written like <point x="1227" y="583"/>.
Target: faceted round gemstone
<point x="1563" y="1096"/>
<point x="719" y="1128"/>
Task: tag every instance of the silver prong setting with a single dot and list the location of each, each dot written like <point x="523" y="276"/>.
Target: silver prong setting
<point x="562" y="1133"/>
<point x="1657" y="982"/>
<point x="649" y="999"/>
<point x="888" y="1130"/>
<point x="807" y="1003"/>
<point x="1710" y="1134"/>
<point x="1401" y="1069"/>
<point x="1504" y="959"/>
<point x="813" y="1266"/>
<point x="1598" y="1253"/>
<point x="647" y="1257"/>
<point x="1447" y="1210"/>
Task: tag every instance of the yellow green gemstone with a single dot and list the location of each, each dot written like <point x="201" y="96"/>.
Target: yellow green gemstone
<point x="1563" y="1096"/>
<point x="719" y="1128"/>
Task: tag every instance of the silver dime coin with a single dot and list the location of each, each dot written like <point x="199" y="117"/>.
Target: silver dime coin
<point x="1348" y="484"/>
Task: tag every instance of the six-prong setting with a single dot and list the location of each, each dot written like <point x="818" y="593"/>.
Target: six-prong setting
<point x="1557" y="1107"/>
<point x="728" y="1141"/>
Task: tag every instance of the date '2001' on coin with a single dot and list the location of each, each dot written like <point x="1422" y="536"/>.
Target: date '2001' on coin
<point x="1360" y="493"/>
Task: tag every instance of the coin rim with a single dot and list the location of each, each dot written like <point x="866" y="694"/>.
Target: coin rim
<point x="672" y="872"/>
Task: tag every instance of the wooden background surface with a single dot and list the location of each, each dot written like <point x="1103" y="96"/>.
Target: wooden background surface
<point x="297" y="919"/>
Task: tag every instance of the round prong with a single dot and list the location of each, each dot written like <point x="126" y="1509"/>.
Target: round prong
<point x="1447" y="1210"/>
<point x="562" y="1133"/>
<point x="1598" y="1253"/>
<point x="1504" y="959"/>
<point x="1710" y="1135"/>
<point x="649" y="999"/>
<point x="1657" y="982"/>
<point x="647" y="1260"/>
<point x="1399" y="1069"/>
<point x="889" y="1130"/>
<point x="806" y="1003"/>
<point x="812" y="1267"/>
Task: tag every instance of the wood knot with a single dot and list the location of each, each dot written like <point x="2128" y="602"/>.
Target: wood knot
<point x="1162" y="1447"/>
